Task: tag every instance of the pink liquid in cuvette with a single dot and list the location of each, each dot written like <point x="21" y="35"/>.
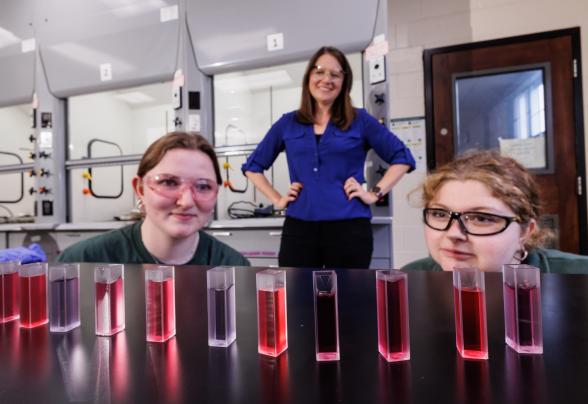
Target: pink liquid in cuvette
<point x="470" y="323"/>
<point x="271" y="313"/>
<point x="110" y="307"/>
<point x="33" y="301"/>
<point x="9" y="309"/>
<point x="524" y="333"/>
<point x="393" y="337"/>
<point x="161" y="310"/>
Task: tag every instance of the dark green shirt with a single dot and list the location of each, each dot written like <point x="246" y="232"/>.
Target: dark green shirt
<point x="125" y="246"/>
<point x="553" y="261"/>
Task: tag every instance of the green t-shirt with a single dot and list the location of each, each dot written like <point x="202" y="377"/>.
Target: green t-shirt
<point x="553" y="261"/>
<point x="125" y="246"/>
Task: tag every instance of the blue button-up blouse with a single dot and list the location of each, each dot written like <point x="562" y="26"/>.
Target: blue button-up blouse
<point x="323" y="167"/>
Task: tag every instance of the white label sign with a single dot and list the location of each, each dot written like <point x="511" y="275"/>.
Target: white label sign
<point x="46" y="140"/>
<point x="168" y="13"/>
<point x="194" y="123"/>
<point x="105" y="72"/>
<point x="28" y="45"/>
<point x="275" y="42"/>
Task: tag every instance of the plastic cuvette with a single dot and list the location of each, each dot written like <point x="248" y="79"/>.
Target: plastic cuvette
<point x="64" y="297"/>
<point x="326" y="315"/>
<point x="9" y="309"/>
<point x="272" y="329"/>
<point x="109" y="298"/>
<point x="522" y="308"/>
<point x="33" y="294"/>
<point x="160" y="303"/>
<point x="392" y="307"/>
<point x="471" y="335"/>
<point x="220" y="283"/>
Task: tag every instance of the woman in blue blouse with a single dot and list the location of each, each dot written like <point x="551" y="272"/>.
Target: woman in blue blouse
<point x="326" y="143"/>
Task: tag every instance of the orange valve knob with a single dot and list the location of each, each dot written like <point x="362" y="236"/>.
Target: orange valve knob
<point x="86" y="191"/>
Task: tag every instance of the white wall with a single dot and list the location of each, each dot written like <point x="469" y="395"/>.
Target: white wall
<point x="415" y="25"/>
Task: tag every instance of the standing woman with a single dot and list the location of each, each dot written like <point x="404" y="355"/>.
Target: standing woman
<point x="326" y="143"/>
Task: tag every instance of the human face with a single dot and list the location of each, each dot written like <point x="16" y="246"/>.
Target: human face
<point x="454" y="248"/>
<point x="323" y="87"/>
<point x="181" y="213"/>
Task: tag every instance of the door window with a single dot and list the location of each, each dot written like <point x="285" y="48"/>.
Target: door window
<point x="505" y="110"/>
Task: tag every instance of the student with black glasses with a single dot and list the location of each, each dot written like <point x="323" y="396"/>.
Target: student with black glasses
<point x="482" y="210"/>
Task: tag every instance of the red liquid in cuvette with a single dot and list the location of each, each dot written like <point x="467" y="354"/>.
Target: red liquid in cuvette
<point x="272" y="335"/>
<point x="393" y="340"/>
<point x="161" y="310"/>
<point x="110" y="307"/>
<point x="9" y="297"/>
<point x="33" y="301"/>
<point x="526" y="332"/>
<point x="470" y="323"/>
<point x="326" y="324"/>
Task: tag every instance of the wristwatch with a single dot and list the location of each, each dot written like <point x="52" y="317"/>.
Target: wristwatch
<point x="376" y="190"/>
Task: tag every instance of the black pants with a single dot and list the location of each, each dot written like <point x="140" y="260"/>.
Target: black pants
<point x="330" y="244"/>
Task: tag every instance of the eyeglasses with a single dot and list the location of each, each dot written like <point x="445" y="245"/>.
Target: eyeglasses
<point x="474" y="223"/>
<point x="320" y="73"/>
<point x="172" y="187"/>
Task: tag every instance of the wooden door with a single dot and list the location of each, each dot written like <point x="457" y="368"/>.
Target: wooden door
<point x="556" y="55"/>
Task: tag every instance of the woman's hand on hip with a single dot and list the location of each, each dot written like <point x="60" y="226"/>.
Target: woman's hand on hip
<point x="353" y="189"/>
<point x="289" y="196"/>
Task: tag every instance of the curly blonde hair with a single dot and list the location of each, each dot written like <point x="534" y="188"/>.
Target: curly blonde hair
<point x="507" y="180"/>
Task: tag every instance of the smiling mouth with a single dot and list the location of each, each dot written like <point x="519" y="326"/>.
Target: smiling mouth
<point x="456" y="253"/>
<point x="184" y="216"/>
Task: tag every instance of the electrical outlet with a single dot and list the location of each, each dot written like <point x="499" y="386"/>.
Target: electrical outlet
<point x="377" y="70"/>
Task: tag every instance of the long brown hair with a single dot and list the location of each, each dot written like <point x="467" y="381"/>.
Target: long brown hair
<point x="507" y="180"/>
<point x="342" y="111"/>
<point x="177" y="140"/>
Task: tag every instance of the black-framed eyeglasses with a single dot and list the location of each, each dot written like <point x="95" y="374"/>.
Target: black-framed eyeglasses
<point x="474" y="223"/>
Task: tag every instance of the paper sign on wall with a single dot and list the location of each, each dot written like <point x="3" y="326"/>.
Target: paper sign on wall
<point x="412" y="132"/>
<point x="378" y="48"/>
<point x="530" y="152"/>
